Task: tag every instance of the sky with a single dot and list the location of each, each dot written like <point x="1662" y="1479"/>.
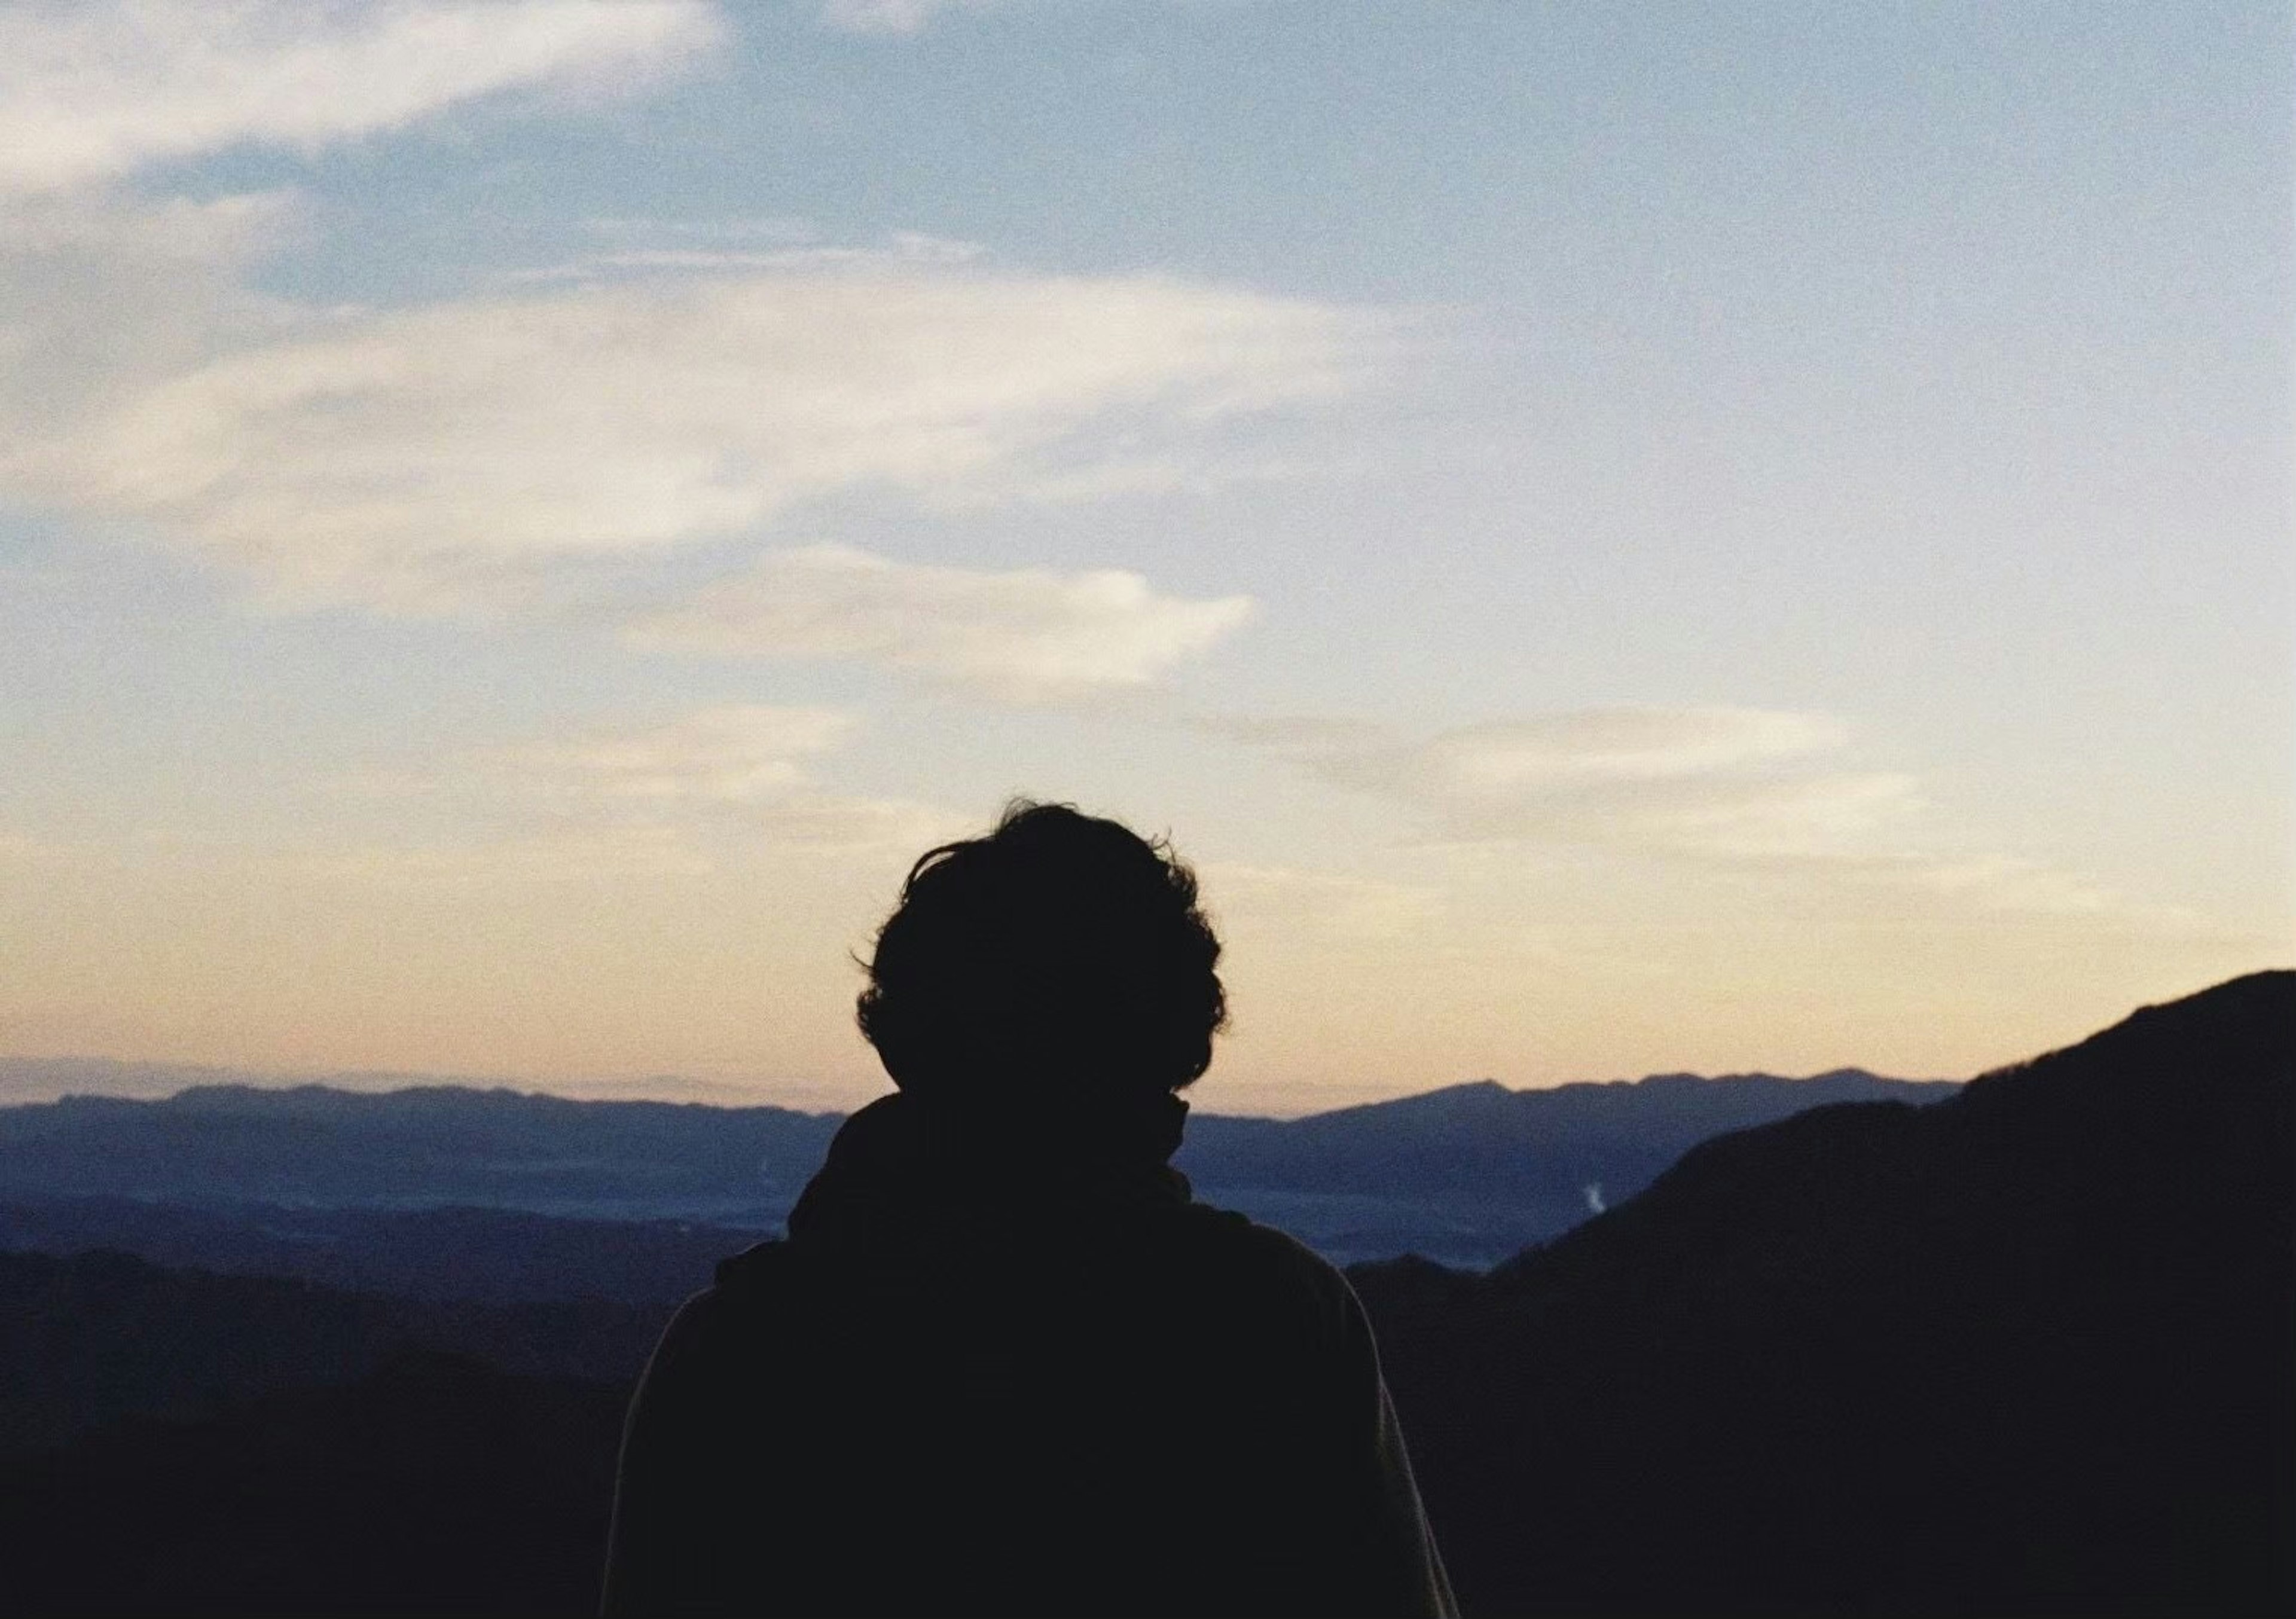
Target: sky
<point x="1616" y="539"/>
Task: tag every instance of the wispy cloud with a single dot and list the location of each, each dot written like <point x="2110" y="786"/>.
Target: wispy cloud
<point x="783" y="230"/>
<point x="898" y="19"/>
<point x="1715" y="780"/>
<point x="1333" y="906"/>
<point x="702" y="793"/>
<point x="101" y="297"/>
<point x="1548" y="755"/>
<point x="26" y="849"/>
<point x="1729" y="790"/>
<point x="700" y="250"/>
<point x="2010" y="883"/>
<point x="1742" y="787"/>
<point x="552" y="855"/>
<point x="91" y="93"/>
<point x="1826" y="815"/>
<point x="894" y="17"/>
<point x="440" y="457"/>
<point x="1023" y="634"/>
<point x="736" y="777"/>
<point x="737" y="753"/>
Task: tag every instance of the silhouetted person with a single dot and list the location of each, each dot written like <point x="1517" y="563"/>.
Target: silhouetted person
<point x="1001" y="1364"/>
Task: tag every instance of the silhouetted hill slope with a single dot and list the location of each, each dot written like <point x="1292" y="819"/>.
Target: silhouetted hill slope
<point x="2028" y="1350"/>
<point x="499" y="1255"/>
<point x="432" y="1484"/>
<point x="88" y="1340"/>
<point x="1467" y="1174"/>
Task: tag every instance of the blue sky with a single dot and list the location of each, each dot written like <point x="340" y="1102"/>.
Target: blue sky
<point x="1672" y="536"/>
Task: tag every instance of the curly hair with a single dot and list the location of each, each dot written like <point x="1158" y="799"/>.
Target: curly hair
<point x="1060" y="951"/>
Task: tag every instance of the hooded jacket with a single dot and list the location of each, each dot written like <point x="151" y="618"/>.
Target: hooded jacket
<point x="1009" y="1367"/>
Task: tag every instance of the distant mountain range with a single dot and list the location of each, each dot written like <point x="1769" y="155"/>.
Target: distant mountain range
<point x="348" y="1187"/>
<point x="1471" y="1174"/>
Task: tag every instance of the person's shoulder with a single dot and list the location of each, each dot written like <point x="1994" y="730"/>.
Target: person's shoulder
<point x="740" y="1282"/>
<point x="1266" y="1256"/>
<point x="1241" y="1234"/>
<point x="766" y="1279"/>
<point x="760" y="1265"/>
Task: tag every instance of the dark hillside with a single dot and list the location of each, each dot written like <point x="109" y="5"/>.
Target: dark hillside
<point x="433" y="1485"/>
<point x="92" y="1339"/>
<point x="2028" y="1350"/>
<point x="497" y="1256"/>
<point x="180" y="1443"/>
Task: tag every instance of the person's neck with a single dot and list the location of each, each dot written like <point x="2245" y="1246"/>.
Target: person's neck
<point x="904" y="1154"/>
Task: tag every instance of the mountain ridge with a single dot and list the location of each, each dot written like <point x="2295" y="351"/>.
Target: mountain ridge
<point x="1466" y="1174"/>
<point x="233" y="1087"/>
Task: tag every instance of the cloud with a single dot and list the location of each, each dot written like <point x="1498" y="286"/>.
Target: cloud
<point x="100" y="296"/>
<point x="440" y="458"/>
<point x="562" y="854"/>
<point x="783" y="230"/>
<point x="734" y="754"/>
<point x="1558" y="753"/>
<point x="697" y="795"/>
<point x="889" y="16"/>
<point x="91" y="93"/>
<point x="1829" y="815"/>
<point x="2008" y="883"/>
<point x="1714" y="781"/>
<point x="1023" y="634"/>
<point x="1307" y="737"/>
<point x="705" y="786"/>
<point x="710" y="255"/>
<point x="1749" y="789"/>
<point x="1328" y="905"/>
<point x="24" y="848"/>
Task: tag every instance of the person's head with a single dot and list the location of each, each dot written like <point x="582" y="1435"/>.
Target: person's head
<point x="1060" y="958"/>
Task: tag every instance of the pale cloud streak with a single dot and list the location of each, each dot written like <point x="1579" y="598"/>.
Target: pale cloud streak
<point x="1726" y="790"/>
<point x="889" y="17"/>
<point x="90" y="93"/>
<point x="630" y="851"/>
<point x="1746" y="789"/>
<point x="1722" y="783"/>
<point x="702" y="794"/>
<point x="2009" y="883"/>
<point x="731" y="247"/>
<point x="1826" y="815"/>
<point x="1553" y="753"/>
<point x="440" y="458"/>
<point x="1027" y="634"/>
<point x="712" y="785"/>
<point x="737" y="753"/>
<point x="101" y="297"/>
<point x="1331" y="906"/>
